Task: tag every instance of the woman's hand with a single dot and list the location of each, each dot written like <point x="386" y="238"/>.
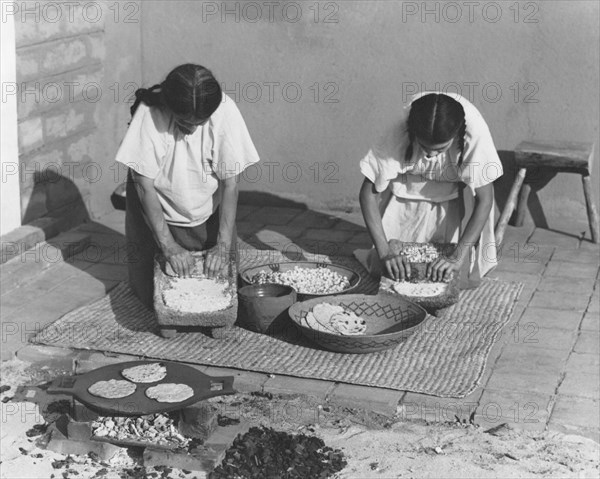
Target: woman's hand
<point x="396" y="265"/>
<point x="443" y="268"/>
<point x="217" y="260"/>
<point x="181" y="260"/>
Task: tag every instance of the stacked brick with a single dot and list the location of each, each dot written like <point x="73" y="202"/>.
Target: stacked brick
<point x="60" y="52"/>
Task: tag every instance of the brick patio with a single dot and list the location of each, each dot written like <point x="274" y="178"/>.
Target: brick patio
<point x="542" y="374"/>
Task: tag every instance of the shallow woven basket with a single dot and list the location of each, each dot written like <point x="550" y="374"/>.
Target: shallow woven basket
<point x="352" y="276"/>
<point x="169" y="317"/>
<point x="390" y="321"/>
<point x="432" y="304"/>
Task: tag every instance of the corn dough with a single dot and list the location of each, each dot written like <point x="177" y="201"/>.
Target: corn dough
<point x="421" y="290"/>
<point x="197" y="295"/>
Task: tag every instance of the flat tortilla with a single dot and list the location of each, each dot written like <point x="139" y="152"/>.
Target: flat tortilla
<point x="312" y="323"/>
<point x="145" y="373"/>
<point x="170" y="392"/>
<point x="323" y="313"/>
<point x="348" y="324"/>
<point x="112" y="389"/>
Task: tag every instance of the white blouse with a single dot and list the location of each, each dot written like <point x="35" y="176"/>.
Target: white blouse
<point x="186" y="169"/>
<point x="433" y="179"/>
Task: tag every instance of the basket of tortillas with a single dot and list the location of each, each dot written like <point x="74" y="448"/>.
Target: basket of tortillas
<point x="357" y="323"/>
<point x="431" y="295"/>
<point x="195" y="301"/>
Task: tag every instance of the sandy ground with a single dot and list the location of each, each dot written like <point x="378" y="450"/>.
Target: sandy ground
<point x="374" y="446"/>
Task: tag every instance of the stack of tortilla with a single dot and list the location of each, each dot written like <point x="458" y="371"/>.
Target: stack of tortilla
<point x="334" y="319"/>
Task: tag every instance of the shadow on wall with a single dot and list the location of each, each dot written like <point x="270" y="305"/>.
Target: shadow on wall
<point x="55" y="196"/>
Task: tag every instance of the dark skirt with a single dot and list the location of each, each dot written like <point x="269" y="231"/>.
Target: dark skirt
<point x="142" y="248"/>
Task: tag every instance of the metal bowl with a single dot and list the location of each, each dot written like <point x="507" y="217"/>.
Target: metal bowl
<point x="390" y="321"/>
<point x="353" y="276"/>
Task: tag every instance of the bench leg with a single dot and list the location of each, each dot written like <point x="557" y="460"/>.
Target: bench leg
<point x="510" y="206"/>
<point x="522" y="205"/>
<point x="592" y="212"/>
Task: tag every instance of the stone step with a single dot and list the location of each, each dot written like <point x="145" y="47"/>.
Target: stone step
<point x="27" y="263"/>
<point x="27" y="236"/>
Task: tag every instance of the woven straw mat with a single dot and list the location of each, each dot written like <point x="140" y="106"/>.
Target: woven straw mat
<point x="445" y="357"/>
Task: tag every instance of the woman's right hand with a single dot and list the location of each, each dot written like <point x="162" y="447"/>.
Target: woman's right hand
<point x="181" y="260"/>
<point x="396" y="265"/>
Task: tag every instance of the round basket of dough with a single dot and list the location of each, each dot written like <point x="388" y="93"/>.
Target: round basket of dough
<point x="309" y="279"/>
<point x="432" y="296"/>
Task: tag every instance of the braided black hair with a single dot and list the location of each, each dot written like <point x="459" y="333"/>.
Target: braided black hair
<point x="150" y="96"/>
<point x="190" y="91"/>
<point x="436" y="118"/>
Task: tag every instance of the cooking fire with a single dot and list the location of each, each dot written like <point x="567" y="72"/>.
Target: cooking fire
<point x="158" y="429"/>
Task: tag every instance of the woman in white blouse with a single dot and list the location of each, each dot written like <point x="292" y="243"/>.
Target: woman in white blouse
<point x="430" y="180"/>
<point x="186" y="144"/>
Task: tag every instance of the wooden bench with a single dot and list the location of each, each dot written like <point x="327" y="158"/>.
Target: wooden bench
<point x="558" y="156"/>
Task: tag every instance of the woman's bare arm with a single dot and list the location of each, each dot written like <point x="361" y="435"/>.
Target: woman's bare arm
<point x="180" y="259"/>
<point x="396" y="266"/>
<point x="218" y="257"/>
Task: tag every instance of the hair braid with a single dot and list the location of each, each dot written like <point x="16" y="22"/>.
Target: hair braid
<point x="150" y="96"/>
<point x="461" y="141"/>
<point x="409" y="149"/>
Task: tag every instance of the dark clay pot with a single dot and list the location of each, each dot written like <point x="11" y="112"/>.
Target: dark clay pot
<point x="264" y="307"/>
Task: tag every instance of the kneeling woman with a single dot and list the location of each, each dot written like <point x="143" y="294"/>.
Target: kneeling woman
<point x="430" y="180"/>
<point x="185" y="147"/>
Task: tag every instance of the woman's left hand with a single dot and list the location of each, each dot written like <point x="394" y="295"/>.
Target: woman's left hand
<point x="443" y="268"/>
<point x="217" y="260"/>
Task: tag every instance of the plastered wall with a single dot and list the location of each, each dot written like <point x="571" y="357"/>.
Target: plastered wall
<point x="318" y="81"/>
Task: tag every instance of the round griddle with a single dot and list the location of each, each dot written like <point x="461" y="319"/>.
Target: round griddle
<point x="138" y="404"/>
